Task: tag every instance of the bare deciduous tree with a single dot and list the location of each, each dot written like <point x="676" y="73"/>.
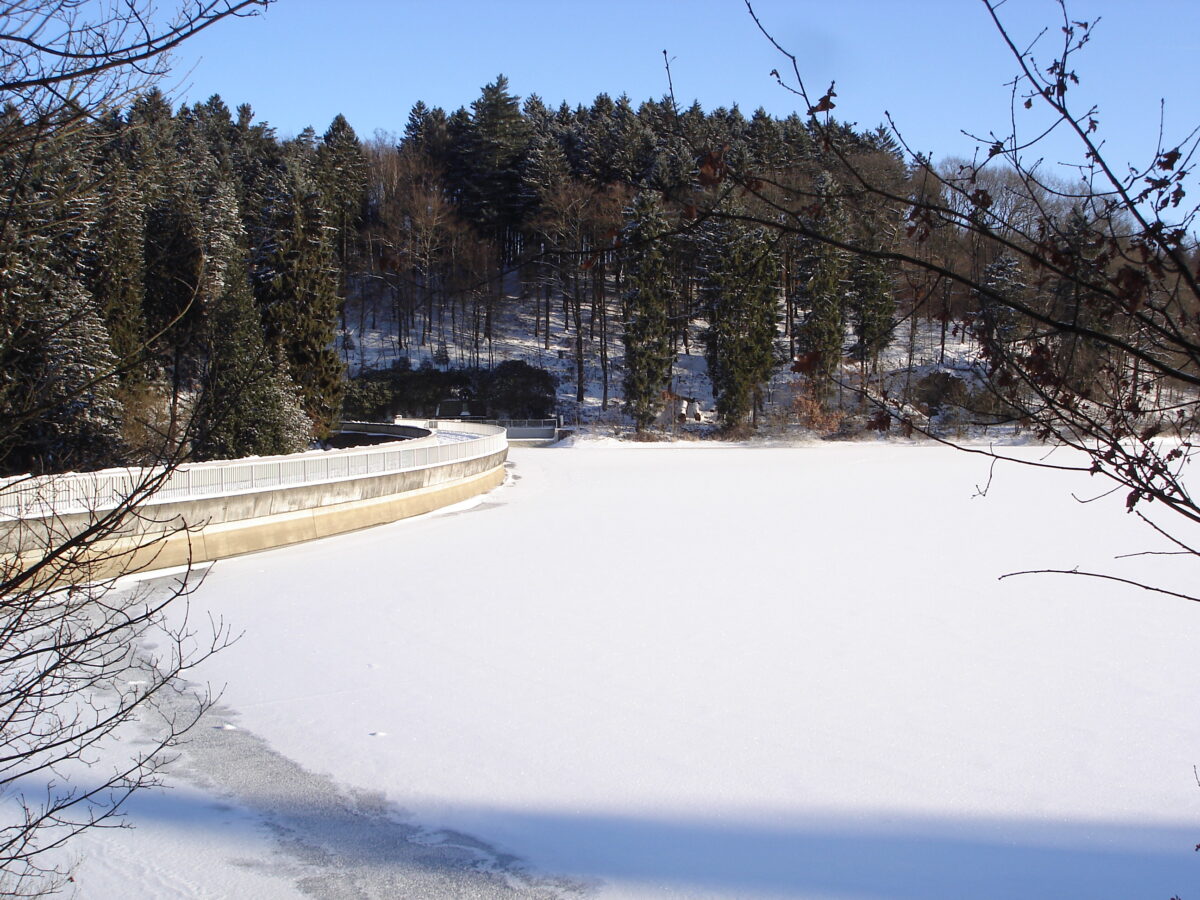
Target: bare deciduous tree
<point x="84" y="662"/>
<point x="76" y="666"/>
<point x="1105" y="356"/>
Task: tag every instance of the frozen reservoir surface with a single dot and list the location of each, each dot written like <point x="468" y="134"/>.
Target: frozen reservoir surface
<point x="695" y="671"/>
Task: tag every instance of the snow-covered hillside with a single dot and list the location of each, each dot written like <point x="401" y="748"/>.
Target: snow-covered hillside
<point x="701" y="671"/>
<point x="920" y="348"/>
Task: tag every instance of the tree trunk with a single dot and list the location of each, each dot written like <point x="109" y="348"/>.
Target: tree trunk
<point x="577" y="308"/>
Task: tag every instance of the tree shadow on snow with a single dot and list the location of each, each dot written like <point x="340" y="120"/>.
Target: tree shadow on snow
<point x="888" y="856"/>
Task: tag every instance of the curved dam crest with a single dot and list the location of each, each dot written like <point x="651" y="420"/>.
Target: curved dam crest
<point x="208" y="511"/>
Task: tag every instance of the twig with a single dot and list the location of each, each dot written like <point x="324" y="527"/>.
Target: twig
<point x="983" y="492"/>
<point x="1137" y="584"/>
<point x="670" y="83"/>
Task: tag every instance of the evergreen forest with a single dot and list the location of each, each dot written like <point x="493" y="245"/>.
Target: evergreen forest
<point x="185" y="277"/>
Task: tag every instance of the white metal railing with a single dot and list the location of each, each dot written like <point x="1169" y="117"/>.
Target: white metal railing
<point x="26" y="497"/>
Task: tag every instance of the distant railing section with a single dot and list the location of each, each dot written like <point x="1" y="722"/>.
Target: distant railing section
<point x="24" y="496"/>
<point x="530" y="429"/>
<point x="518" y="429"/>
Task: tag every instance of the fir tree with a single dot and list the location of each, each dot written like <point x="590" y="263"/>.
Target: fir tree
<point x="256" y="159"/>
<point x="213" y="124"/>
<point x="70" y="380"/>
<point x="456" y="158"/>
<point x="740" y="297"/>
<point x="647" y="334"/>
<point x="250" y="406"/>
<point x="499" y="139"/>
<point x="547" y="167"/>
<point x="58" y="374"/>
<point x="416" y="128"/>
<point x="1079" y="357"/>
<point x="117" y="269"/>
<point x="342" y="179"/>
<point x="295" y="282"/>
<point x="824" y="329"/>
<point x="996" y="325"/>
<point x="174" y="172"/>
<point x="765" y="147"/>
<point x="1003" y="280"/>
<point x="872" y="309"/>
<point x="427" y="133"/>
<point x="341" y="174"/>
<point x="150" y="143"/>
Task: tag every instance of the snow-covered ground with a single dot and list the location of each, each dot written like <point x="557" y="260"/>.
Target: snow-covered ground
<point x="695" y="671"/>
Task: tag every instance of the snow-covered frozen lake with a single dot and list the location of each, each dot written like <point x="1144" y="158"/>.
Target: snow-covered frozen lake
<point x="695" y="672"/>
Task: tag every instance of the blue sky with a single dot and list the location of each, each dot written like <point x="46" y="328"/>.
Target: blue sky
<point x="936" y="65"/>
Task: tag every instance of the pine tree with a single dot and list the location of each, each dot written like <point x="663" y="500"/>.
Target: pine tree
<point x="647" y="335"/>
<point x="570" y="126"/>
